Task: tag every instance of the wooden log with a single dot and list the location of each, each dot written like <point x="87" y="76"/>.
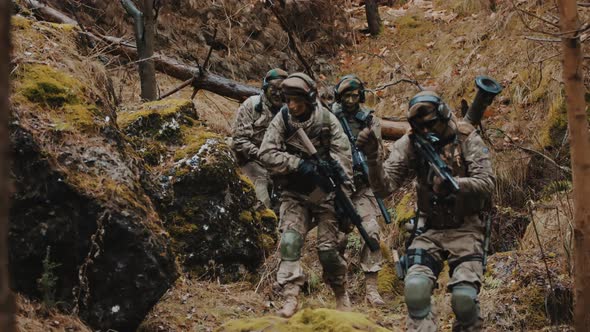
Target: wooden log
<point x="393" y="130"/>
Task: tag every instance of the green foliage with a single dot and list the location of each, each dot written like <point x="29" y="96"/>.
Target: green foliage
<point x="315" y="282"/>
<point x="47" y="282"/>
<point x="354" y="243"/>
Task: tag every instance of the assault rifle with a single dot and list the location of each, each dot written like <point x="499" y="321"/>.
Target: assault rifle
<point x="358" y="159"/>
<point x="333" y="172"/>
<point x="424" y="147"/>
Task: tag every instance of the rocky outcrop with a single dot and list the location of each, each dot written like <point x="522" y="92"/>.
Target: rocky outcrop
<point x="207" y="205"/>
<point x="84" y="234"/>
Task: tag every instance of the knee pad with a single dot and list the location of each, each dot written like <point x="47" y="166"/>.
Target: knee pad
<point x="331" y="260"/>
<point x="291" y="244"/>
<point x="464" y="303"/>
<point x="417" y="293"/>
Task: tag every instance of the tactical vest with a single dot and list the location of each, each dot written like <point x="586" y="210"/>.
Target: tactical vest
<point x="295" y="181"/>
<point x="450" y="211"/>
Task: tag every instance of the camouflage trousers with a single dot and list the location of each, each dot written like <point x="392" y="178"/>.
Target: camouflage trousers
<point x="457" y="242"/>
<point x="261" y="180"/>
<point x="366" y="206"/>
<point x="301" y="215"/>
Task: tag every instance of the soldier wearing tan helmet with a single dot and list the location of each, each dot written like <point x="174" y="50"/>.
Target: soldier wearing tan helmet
<point x="303" y="206"/>
<point x="349" y="95"/>
<point x="252" y="119"/>
<point x="449" y="225"/>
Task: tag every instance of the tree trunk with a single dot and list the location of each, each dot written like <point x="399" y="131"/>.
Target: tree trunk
<point x="580" y="156"/>
<point x="7" y="303"/>
<point x="149" y="87"/>
<point x="144" y="29"/>
<point x="373" y="18"/>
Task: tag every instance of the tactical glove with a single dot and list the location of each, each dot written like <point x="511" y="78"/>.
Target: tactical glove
<point x="307" y="167"/>
<point x="368" y="143"/>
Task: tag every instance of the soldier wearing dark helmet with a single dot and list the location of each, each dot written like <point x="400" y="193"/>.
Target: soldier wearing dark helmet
<point x="252" y="120"/>
<point x="303" y="203"/>
<point x="449" y="225"/>
<point x="349" y="95"/>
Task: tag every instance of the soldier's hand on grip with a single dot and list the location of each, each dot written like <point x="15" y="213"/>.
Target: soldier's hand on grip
<point x="307" y="167"/>
<point x="368" y="142"/>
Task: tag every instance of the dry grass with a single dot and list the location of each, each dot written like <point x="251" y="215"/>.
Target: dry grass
<point x="35" y="317"/>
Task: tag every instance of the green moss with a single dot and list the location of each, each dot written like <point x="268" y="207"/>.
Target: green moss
<point x="387" y="281"/>
<point x="555" y="124"/>
<point x="404" y="210"/>
<point x="268" y="243"/>
<point x="44" y="85"/>
<point x="194" y="143"/>
<point x="162" y="108"/>
<point x="246" y="216"/>
<point x="306" y="320"/>
<point x="268" y="214"/>
<point x="248" y="185"/>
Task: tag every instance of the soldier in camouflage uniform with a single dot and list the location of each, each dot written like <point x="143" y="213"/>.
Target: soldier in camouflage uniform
<point x="303" y="204"/>
<point x="449" y="225"/>
<point x="349" y="94"/>
<point x="252" y="119"/>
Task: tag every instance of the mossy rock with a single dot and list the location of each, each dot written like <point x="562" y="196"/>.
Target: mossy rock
<point x="211" y="216"/>
<point x="159" y="120"/>
<point x="315" y="320"/>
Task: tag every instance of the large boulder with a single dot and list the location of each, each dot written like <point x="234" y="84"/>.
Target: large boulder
<point x="83" y="233"/>
<point x="210" y="209"/>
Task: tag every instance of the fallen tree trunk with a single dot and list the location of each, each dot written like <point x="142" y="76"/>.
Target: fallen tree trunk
<point x="205" y="81"/>
<point x="393" y="130"/>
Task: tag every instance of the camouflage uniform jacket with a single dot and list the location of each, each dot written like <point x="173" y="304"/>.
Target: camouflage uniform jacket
<point x="470" y="162"/>
<point x="281" y="154"/>
<point x="249" y="127"/>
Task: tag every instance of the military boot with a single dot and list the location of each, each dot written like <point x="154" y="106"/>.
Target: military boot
<point x="372" y="294"/>
<point x="342" y="300"/>
<point x="290" y="293"/>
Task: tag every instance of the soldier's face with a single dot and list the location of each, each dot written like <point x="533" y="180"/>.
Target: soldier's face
<point x="429" y="123"/>
<point x="297" y="105"/>
<point x="274" y="93"/>
<point x="350" y="99"/>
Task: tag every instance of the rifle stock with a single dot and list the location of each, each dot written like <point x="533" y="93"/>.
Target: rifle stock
<point x="342" y="201"/>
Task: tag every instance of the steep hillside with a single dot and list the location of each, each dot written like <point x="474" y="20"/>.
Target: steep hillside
<point x="116" y="198"/>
